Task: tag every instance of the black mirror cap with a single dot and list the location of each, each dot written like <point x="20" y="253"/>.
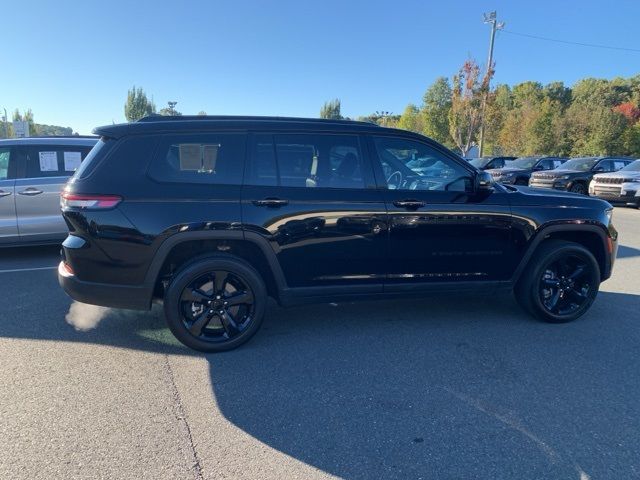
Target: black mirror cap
<point x="484" y="182"/>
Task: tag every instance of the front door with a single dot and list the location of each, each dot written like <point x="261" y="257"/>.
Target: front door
<point x="439" y="230"/>
<point x="8" y="222"/>
<point x="313" y="197"/>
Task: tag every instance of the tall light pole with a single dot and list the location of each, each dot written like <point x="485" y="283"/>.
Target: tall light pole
<point x="491" y="18"/>
<point x="172" y="107"/>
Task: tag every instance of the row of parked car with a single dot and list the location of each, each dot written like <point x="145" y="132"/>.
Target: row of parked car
<point x="615" y="179"/>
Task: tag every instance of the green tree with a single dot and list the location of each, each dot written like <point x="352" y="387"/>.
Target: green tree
<point x="435" y="111"/>
<point x="411" y="119"/>
<point x="137" y="105"/>
<point x="331" y="109"/>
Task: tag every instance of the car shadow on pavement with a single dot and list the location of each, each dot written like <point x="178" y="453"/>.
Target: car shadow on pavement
<point x="441" y="388"/>
<point x="627" y="252"/>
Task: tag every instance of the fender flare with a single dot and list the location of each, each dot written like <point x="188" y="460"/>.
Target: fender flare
<point x="163" y="251"/>
<point x="542" y="234"/>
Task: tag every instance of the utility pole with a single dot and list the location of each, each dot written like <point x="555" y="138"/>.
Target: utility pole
<point x="491" y="18"/>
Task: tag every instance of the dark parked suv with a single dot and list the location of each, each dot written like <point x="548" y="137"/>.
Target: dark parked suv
<point x="212" y="215"/>
<point x="576" y="174"/>
<point x="518" y="171"/>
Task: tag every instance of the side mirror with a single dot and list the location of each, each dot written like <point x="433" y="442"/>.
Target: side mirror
<point x="599" y="169"/>
<point x="484" y="182"/>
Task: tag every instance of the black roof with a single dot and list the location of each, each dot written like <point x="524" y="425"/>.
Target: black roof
<point x="159" y="124"/>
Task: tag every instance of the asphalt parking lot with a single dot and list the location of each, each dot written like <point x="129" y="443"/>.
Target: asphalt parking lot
<point x="446" y="388"/>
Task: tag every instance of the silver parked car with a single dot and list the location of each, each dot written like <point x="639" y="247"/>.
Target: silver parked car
<point x="33" y="171"/>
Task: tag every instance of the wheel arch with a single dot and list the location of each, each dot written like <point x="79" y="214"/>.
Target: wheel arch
<point x="593" y="237"/>
<point x="181" y="248"/>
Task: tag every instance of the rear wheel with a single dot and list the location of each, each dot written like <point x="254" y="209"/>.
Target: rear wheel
<point x="560" y="283"/>
<point x="215" y="304"/>
<point x="578" y="188"/>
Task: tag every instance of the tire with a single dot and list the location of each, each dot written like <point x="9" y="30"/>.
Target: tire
<point x="546" y="279"/>
<point x="522" y="181"/>
<point x="578" y="188"/>
<point x="215" y="303"/>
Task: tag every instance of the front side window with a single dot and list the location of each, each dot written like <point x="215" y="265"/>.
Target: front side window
<point x="54" y="160"/>
<point x="580" y="164"/>
<point x="215" y="158"/>
<point x="4" y="163"/>
<point x="306" y="160"/>
<point x="411" y="165"/>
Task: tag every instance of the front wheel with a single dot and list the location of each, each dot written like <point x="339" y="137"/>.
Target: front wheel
<point x="215" y="304"/>
<point x="578" y="188"/>
<point x="560" y="283"/>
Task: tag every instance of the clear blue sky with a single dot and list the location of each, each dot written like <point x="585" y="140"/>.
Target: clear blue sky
<point x="72" y="62"/>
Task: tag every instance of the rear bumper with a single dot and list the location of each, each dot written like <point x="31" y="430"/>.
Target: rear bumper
<point x="115" y="296"/>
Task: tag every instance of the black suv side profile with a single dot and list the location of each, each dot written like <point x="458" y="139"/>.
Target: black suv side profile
<point x="213" y="215"/>
<point x="576" y="174"/>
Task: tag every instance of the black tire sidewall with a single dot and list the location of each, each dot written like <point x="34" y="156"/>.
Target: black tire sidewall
<point x="192" y="271"/>
<point x="534" y="301"/>
<point x="578" y="188"/>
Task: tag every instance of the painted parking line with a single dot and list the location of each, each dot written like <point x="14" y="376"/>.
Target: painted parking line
<point x="14" y="270"/>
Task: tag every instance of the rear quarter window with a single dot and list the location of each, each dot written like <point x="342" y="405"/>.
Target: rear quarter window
<point x="212" y="158"/>
<point x="99" y="150"/>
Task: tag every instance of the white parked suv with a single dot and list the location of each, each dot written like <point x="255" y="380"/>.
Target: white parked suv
<point x="621" y="187"/>
<point x="32" y="174"/>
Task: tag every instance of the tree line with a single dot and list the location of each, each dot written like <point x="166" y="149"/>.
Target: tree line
<point x="35" y="129"/>
<point x="592" y="117"/>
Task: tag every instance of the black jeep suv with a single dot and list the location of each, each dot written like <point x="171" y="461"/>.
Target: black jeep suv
<point x="213" y="215"/>
<point x="518" y="171"/>
<point x="576" y="174"/>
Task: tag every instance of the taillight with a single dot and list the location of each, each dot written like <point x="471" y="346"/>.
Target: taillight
<point x="90" y="202"/>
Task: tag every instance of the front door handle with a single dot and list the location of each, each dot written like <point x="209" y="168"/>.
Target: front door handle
<point x="4" y="194"/>
<point x="270" y="202"/>
<point x="31" y="191"/>
<point x="409" y="204"/>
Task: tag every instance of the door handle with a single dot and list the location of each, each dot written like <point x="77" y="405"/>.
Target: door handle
<point x="409" y="204"/>
<point x="4" y="194"/>
<point x="31" y="191"/>
<point x="270" y="202"/>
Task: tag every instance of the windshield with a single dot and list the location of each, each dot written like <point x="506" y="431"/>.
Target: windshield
<point x="580" y="164"/>
<point x="480" y="162"/>
<point x="525" y="163"/>
<point x="632" y="167"/>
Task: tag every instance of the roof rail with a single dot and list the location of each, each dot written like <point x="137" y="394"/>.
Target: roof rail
<point x="177" y="118"/>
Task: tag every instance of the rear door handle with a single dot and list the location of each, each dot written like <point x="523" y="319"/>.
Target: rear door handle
<point x="270" y="202"/>
<point x="4" y="194"/>
<point x="30" y="192"/>
<point x="409" y="204"/>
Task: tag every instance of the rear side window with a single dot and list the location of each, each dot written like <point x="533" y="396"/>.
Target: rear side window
<point x="215" y="158"/>
<point x="306" y="160"/>
<point x="43" y="161"/>
<point x="5" y="153"/>
<point x="89" y="163"/>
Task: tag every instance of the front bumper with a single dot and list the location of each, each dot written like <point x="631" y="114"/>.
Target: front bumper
<point x="107" y="295"/>
<point x="563" y="185"/>
<point x="624" y="194"/>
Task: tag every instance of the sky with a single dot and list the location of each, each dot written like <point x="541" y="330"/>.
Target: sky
<point x="72" y="63"/>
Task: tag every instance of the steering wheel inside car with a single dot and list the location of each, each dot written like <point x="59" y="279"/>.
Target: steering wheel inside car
<point x="397" y="185"/>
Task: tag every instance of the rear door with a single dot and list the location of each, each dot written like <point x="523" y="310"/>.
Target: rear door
<point x="313" y="197"/>
<point x="42" y="172"/>
<point x="8" y="222"/>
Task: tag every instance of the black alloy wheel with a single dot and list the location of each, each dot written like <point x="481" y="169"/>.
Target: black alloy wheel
<point x="565" y="285"/>
<point x="215" y="303"/>
<point x="560" y="282"/>
<point x="217" y="306"/>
